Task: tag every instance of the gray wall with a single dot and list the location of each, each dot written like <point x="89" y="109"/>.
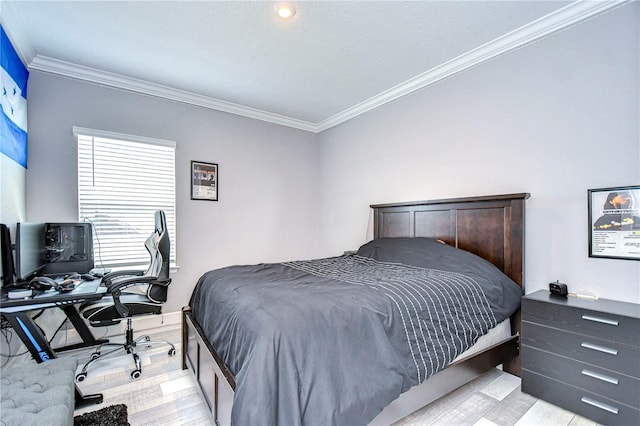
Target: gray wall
<point x="553" y="118"/>
<point x="13" y="205"/>
<point x="268" y="174"/>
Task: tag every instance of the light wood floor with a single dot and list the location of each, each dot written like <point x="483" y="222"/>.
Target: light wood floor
<point x="167" y="395"/>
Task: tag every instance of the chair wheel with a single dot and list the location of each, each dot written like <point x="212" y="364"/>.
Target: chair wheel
<point x="80" y="377"/>
<point x="135" y="374"/>
<point x="172" y="352"/>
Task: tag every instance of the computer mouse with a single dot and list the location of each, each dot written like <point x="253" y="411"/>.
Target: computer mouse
<point x="88" y="277"/>
<point x="65" y="286"/>
<point x="42" y="283"/>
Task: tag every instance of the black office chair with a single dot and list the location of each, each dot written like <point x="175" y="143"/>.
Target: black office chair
<point x="123" y="304"/>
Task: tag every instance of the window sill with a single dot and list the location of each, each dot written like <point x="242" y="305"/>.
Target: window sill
<point x="173" y="268"/>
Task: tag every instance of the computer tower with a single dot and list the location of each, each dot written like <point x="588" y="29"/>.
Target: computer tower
<point x="69" y="248"/>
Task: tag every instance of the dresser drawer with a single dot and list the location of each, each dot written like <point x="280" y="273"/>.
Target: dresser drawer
<point x="596" y="407"/>
<point x="615" y="386"/>
<point x="584" y="321"/>
<point x="607" y="354"/>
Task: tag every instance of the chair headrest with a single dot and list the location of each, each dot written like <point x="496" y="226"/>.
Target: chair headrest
<point x="161" y="222"/>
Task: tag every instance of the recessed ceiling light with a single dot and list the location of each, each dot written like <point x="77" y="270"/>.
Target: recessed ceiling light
<point x="285" y="10"/>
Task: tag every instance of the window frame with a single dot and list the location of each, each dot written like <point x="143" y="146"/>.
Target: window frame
<point x="126" y="138"/>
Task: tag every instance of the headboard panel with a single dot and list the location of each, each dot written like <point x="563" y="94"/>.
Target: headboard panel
<point x="490" y="226"/>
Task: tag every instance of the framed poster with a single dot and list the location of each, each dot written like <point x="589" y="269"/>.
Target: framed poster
<point x="204" y="181"/>
<point x="614" y="222"/>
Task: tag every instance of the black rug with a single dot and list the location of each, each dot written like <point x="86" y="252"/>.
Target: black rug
<point x="113" y="415"/>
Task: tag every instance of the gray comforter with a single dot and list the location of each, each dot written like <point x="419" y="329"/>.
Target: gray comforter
<point x="333" y="341"/>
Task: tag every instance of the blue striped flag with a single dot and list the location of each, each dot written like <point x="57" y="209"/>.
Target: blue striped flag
<point x="13" y="122"/>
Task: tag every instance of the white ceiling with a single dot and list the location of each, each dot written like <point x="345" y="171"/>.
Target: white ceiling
<point x="334" y="60"/>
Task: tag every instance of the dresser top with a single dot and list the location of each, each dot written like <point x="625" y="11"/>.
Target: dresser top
<point x="602" y="305"/>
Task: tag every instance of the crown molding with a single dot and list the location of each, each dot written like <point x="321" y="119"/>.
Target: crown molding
<point x="556" y="21"/>
<point x="105" y="78"/>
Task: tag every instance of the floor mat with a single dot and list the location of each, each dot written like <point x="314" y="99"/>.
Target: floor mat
<point x="113" y="415"/>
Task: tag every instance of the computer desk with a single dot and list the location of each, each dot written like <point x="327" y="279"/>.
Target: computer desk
<point x="17" y="313"/>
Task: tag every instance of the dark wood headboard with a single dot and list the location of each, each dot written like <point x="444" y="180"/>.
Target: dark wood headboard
<point x="490" y="226"/>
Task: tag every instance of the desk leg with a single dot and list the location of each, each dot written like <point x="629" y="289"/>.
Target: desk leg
<point x="84" y="400"/>
<point x="81" y="328"/>
<point x="31" y="336"/>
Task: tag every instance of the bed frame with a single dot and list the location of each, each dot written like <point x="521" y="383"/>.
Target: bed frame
<point x="489" y="226"/>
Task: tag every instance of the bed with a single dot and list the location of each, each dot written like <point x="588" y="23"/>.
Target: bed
<point x="340" y="340"/>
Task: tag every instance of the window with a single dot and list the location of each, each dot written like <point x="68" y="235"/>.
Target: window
<point x="122" y="181"/>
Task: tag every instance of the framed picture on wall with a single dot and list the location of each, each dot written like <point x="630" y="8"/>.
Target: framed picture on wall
<point x="204" y="181"/>
<point x="614" y="222"/>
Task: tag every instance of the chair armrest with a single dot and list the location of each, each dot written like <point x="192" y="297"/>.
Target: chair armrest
<point x="107" y="279"/>
<point x="134" y="281"/>
<point x="116" y="290"/>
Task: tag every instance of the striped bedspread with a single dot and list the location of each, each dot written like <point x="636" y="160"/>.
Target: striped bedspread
<point x="442" y="313"/>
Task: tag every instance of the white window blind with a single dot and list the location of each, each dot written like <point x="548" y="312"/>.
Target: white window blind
<point x="122" y="181"/>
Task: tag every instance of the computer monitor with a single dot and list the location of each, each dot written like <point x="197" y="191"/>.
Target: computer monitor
<point x="30" y="250"/>
<point x="7" y="273"/>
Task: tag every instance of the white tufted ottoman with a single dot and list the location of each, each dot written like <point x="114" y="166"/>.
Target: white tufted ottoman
<point x="40" y="394"/>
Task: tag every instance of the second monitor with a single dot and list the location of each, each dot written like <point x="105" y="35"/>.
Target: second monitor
<point x="30" y="250"/>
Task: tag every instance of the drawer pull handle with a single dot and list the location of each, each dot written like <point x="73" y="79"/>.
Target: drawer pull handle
<point x="600" y="320"/>
<point x="600" y="405"/>
<point x="599" y="348"/>
<point x="599" y="376"/>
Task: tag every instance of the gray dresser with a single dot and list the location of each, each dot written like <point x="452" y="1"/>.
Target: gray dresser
<point x="583" y="355"/>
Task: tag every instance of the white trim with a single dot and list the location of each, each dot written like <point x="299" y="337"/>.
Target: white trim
<point x="83" y="131"/>
<point x="141" y="324"/>
<point x="173" y="267"/>
<point x="565" y="17"/>
<point x="536" y="30"/>
<point x="105" y="78"/>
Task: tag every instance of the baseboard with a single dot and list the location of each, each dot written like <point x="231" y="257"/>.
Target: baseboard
<point x="148" y="322"/>
<point x="54" y="319"/>
<point x="68" y="335"/>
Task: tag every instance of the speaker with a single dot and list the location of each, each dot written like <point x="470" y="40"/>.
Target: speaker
<point x="558" y="289"/>
<point x="7" y="273"/>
